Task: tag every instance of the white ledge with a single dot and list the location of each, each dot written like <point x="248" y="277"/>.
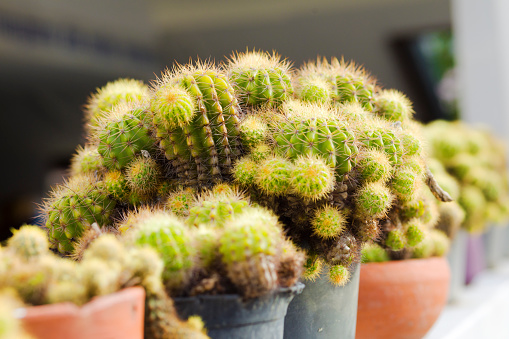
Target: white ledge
<point x="481" y="311"/>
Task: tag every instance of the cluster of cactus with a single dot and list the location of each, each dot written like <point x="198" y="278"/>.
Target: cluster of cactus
<point x="37" y="276"/>
<point x="337" y="160"/>
<point x="471" y="163"/>
<point x="221" y="241"/>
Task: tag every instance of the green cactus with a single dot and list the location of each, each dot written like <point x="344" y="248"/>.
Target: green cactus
<point x="404" y="184"/>
<point x="414" y="233"/>
<point x="113" y="93"/>
<point x="314" y="129"/>
<point x="260" y="152"/>
<point x="253" y="131"/>
<point x="339" y="275"/>
<point x="328" y="222"/>
<point x="393" y="105"/>
<point x="349" y="82"/>
<point x="377" y="134"/>
<point x="123" y="136"/>
<point x="395" y="240"/>
<point x="86" y="160"/>
<point x="373" y="200"/>
<point x="202" y="139"/>
<point x="115" y="184"/>
<point x="315" y="89"/>
<point x="216" y="209"/>
<point x="249" y="247"/>
<point x="272" y="176"/>
<point x="372" y="252"/>
<point x="260" y="78"/>
<point x="143" y="176"/>
<point x="245" y="171"/>
<point x="72" y="208"/>
<point x="313" y="266"/>
<point x="374" y="166"/>
<point x="180" y="201"/>
<point x="311" y="178"/>
<point x="29" y="242"/>
<point x="170" y="238"/>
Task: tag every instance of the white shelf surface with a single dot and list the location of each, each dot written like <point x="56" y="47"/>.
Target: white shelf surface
<point x="481" y="311"/>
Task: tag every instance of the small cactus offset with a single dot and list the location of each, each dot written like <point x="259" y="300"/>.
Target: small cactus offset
<point x="72" y="208"/>
<point x="121" y="91"/>
<point x="123" y="135"/>
<point x="260" y="78"/>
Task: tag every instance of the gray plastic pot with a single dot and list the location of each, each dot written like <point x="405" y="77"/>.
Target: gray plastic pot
<point x="457" y="258"/>
<point x="324" y="311"/>
<point x="228" y="316"/>
<point x="494" y="244"/>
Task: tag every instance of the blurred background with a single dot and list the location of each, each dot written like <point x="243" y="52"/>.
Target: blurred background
<point x="54" y="53"/>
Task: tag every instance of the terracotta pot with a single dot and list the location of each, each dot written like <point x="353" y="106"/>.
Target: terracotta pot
<point x="118" y="315"/>
<point x="401" y="299"/>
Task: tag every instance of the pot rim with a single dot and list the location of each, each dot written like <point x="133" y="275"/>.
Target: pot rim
<point x="69" y="308"/>
<point x="295" y="289"/>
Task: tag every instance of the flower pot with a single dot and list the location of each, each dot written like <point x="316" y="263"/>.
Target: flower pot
<point x="475" y="257"/>
<point x="401" y="299"/>
<point x="228" y="316"/>
<point x="494" y="243"/>
<point x="457" y="258"/>
<point x="323" y="310"/>
<point x="118" y="315"/>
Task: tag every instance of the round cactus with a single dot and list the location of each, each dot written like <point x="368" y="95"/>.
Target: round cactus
<point x="339" y="275"/>
<point x="311" y="178"/>
<point x="395" y="240"/>
<point x="313" y="266"/>
<point x="115" y="184"/>
<point x="349" y="82"/>
<point x="404" y="184"/>
<point x="123" y="136"/>
<point x="260" y="78"/>
<point x="249" y="247"/>
<point x="314" y="90"/>
<point x="216" y="209"/>
<point x="374" y="166"/>
<point x="170" y="238"/>
<point x="72" y="208"/>
<point x="201" y="144"/>
<point x="393" y="105"/>
<point x="260" y="152"/>
<point x="114" y="93"/>
<point x="143" y="175"/>
<point x="29" y="242"/>
<point x="314" y="129"/>
<point x="273" y="176"/>
<point x="328" y="222"/>
<point x="180" y="201"/>
<point x="244" y="171"/>
<point x="373" y="200"/>
<point x="372" y="252"/>
<point x="414" y="233"/>
<point x="86" y="160"/>
<point x="253" y="131"/>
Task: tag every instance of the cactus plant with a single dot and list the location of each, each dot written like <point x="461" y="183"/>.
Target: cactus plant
<point x="72" y="208"/>
<point x="196" y="115"/>
<point x="260" y="78"/>
<point x="113" y="93"/>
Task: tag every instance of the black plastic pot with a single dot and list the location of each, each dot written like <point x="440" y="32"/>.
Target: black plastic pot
<point x="324" y="311"/>
<point x="228" y="316"/>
